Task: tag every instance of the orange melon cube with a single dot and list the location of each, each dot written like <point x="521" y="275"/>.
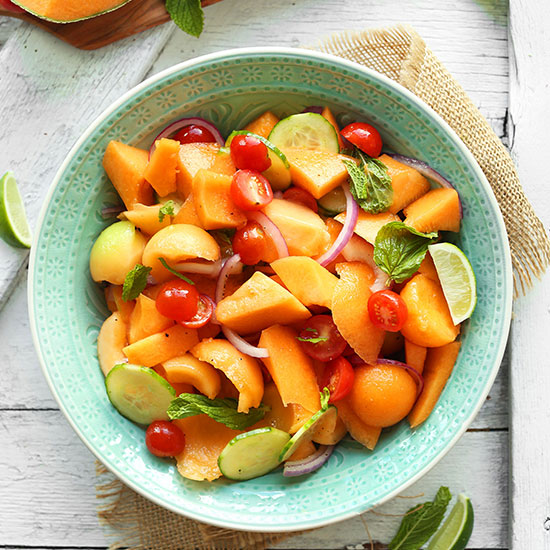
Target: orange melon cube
<point x="308" y="280"/>
<point x="188" y="213"/>
<point x="415" y="356"/>
<point x="110" y="342"/>
<point x="368" y="224"/>
<point x="162" y="168"/>
<point x="330" y="429"/>
<point x="109" y="298"/>
<point x="187" y="369"/>
<point x="123" y="307"/>
<point x="437" y="210"/>
<point x="278" y="416"/>
<point x="162" y="346"/>
<point x="213" y="203"/>
<point x="125" y="166"/>
<point x="263" y="124"/>
<point x="361" y="432"/>
<point x="192" y="158"/>
<point x="427" y="268"/>
<point x="223" y="164"/>
<point x="146" y="218"/>
<point x="146" y="320"/>
<point x="259" y="303"/>
<point x="305" y="449"/>
<point x="408" y="184"/>
<point x="327" y="113"/>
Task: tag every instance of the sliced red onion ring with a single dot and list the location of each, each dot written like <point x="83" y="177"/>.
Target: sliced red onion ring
<point x="210" y="269"/>
<point x="427" y="171"/>
<point x="318" y="109"/>
<point x="413" y="372"/>
<point x="273" y="232"/>
<point x="110" y="211"/>
<point x="346" y="233"/>
<point x="242" y="345"/>
<point x="182" y="123"/>
<point x="309" y="464"/>
<point x="230" y="266"/>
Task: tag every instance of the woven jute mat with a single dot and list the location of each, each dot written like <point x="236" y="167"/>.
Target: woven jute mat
<point x="401" y="54"/>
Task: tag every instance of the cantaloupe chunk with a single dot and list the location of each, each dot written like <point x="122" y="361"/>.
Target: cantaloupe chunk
<point x="110" y="299"/>
<point x="278" y="416"/>
<point x="308" y="280"/>
<point x="427" y="268"/>
<point x="110" y="343"/>
<point x="263" y="124"/>
<point x="123" y="307"/>
<point x="350" y="312"/>
<point x="259" y="303"/>
<point x="205" y="439"/>
<point x="162" y="346"/>
<point x="327" y="113"/>
<point x="188" y="213"/>
<point x="437" y="210"/>
<point x="189" y="370"/>
<point x="407" y="183"/>
<point x="66" y="11"/>
<point x="243" y="371"/>
<point x="437" y="369"/>
<point x="162" y="168"/>
<point x="330" y="429"/>
<point x="361" y="432"/>
<point x="368" y="224"/>
<point x="415" y="356"/>
<point x="429" y="322"/>
<point x="146" y="320"/>
<point x="176" y="243"/>
<point x="223" y="164"/>
<point x="318" y="172"/>
<point x="146" y="218"/>
<point x="291" y="369"/>
<point x="305" y="449"/>
<point x="125" y="166"/>
<point x="213" y="203"/>
<point x="304" y="231"/>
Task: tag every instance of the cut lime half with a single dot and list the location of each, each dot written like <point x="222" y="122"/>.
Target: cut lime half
<point x="455" y="533"/>
<point x="457" y="279"/>
<point x="14" y="228"/>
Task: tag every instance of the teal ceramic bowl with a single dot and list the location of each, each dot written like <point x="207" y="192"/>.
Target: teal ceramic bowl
<point x="67" y="308"/>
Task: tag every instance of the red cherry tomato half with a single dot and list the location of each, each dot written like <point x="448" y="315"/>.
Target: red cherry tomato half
<point x="205" y="310"/>
<point x="164" y="438"/>
<point x="338" y="377"/>
<point x="178" y="300"/>
<point x="249" y="153"/>
<point x="194" y="134"/>
<point x="250" y="190"/>
<point x="301" y="196"/>
<point x="364" y="137"/>
<point x="387" y="310"/>
<point x="250" y="242"/>
<point x="320" y="338"/>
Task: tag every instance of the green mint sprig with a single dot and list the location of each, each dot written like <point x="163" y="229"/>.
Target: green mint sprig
<point x="135" y="282"/>
<point x="174" y="272"/>
<point x="167" y="209"/>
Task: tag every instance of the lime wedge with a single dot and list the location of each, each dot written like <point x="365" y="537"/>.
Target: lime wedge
<point x="457" y="279"/>
<point x="455" y="533"/>
<point x="14" y="228"/>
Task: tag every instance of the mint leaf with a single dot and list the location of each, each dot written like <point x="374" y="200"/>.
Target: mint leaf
<point x="167" y="209"/>
<point x="174" y="272"/>
<point x="400" y="249"/>
<point x="421" y="522"/>
<point x="312" y="339"/>
<point x="187" y="15"/>
<point x="134" y="282"/>
<point x="325" y="396"/>
<point x="220" y="410"/>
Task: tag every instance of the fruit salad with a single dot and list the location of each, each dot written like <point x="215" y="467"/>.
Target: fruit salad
<point x="276" y="291"/>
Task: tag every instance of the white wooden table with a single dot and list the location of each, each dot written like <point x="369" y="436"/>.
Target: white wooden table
<point x="47" y="497"/>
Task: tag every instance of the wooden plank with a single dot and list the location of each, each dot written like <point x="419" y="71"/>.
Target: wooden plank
<point x="529" y="369"/>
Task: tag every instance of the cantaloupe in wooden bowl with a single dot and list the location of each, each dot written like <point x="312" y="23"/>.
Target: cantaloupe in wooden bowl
<point x="68" y="11"/>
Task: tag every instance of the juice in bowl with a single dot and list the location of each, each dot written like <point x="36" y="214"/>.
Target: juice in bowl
<point x="353" y="478"/>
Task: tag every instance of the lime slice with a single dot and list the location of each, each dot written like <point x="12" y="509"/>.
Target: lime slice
<point x="14" y="228"/>
<point x="455" y="533"/>
<point x="457" y="279"/>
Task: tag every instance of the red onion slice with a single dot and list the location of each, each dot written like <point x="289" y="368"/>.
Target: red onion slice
<point x="346" y="233"/>
<point x="230" y="266"/>
<point x="273" y="232"/>
<point x="182" y="123"/>
<point x="413" y="372"/>
<point x="309" y="464"/>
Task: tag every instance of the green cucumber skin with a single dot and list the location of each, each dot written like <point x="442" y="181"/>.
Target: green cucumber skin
<point x="63" y="21"/>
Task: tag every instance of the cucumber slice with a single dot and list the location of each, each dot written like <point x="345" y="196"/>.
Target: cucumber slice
<point x="252" y="454"/>
<point x="333" y="203"/>
<point x="278" y="174"/>
<point x="305" y="130"/>
<point x="305" y="432"/>
<point x="139" y="393"/>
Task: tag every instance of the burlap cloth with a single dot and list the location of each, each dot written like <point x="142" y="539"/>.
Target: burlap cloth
<point x="401" y="54"/>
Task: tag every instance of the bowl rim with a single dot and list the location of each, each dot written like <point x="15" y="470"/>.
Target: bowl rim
<point x="332" y="60"/>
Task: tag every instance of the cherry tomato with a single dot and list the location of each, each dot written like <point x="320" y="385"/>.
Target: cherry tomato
<point x="164" y="438"/>
<point x="248" y="152"/>
<point x="205" y="310"/>
<point x="364" y="137"/>
<point x="338" y="377"/>
<point x="178" y="300"/>
<point x="301" y="196"/>
<point x="250" y="243"/>
<point x="387" y="310"/>
<point x="194" y="134"/>
<point x="320" y="338"/>
<point x="250" y="190"/>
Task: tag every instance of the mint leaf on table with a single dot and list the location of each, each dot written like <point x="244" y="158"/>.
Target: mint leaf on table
<point x="187" y="15"/>
<point x="421" y="522"/>
<point x="220" y="410"/>
<point x="400" y="249"/>
<point x="134" y="282"/>
<point x="167" y="209"/>
<point x="174" y="272"/>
